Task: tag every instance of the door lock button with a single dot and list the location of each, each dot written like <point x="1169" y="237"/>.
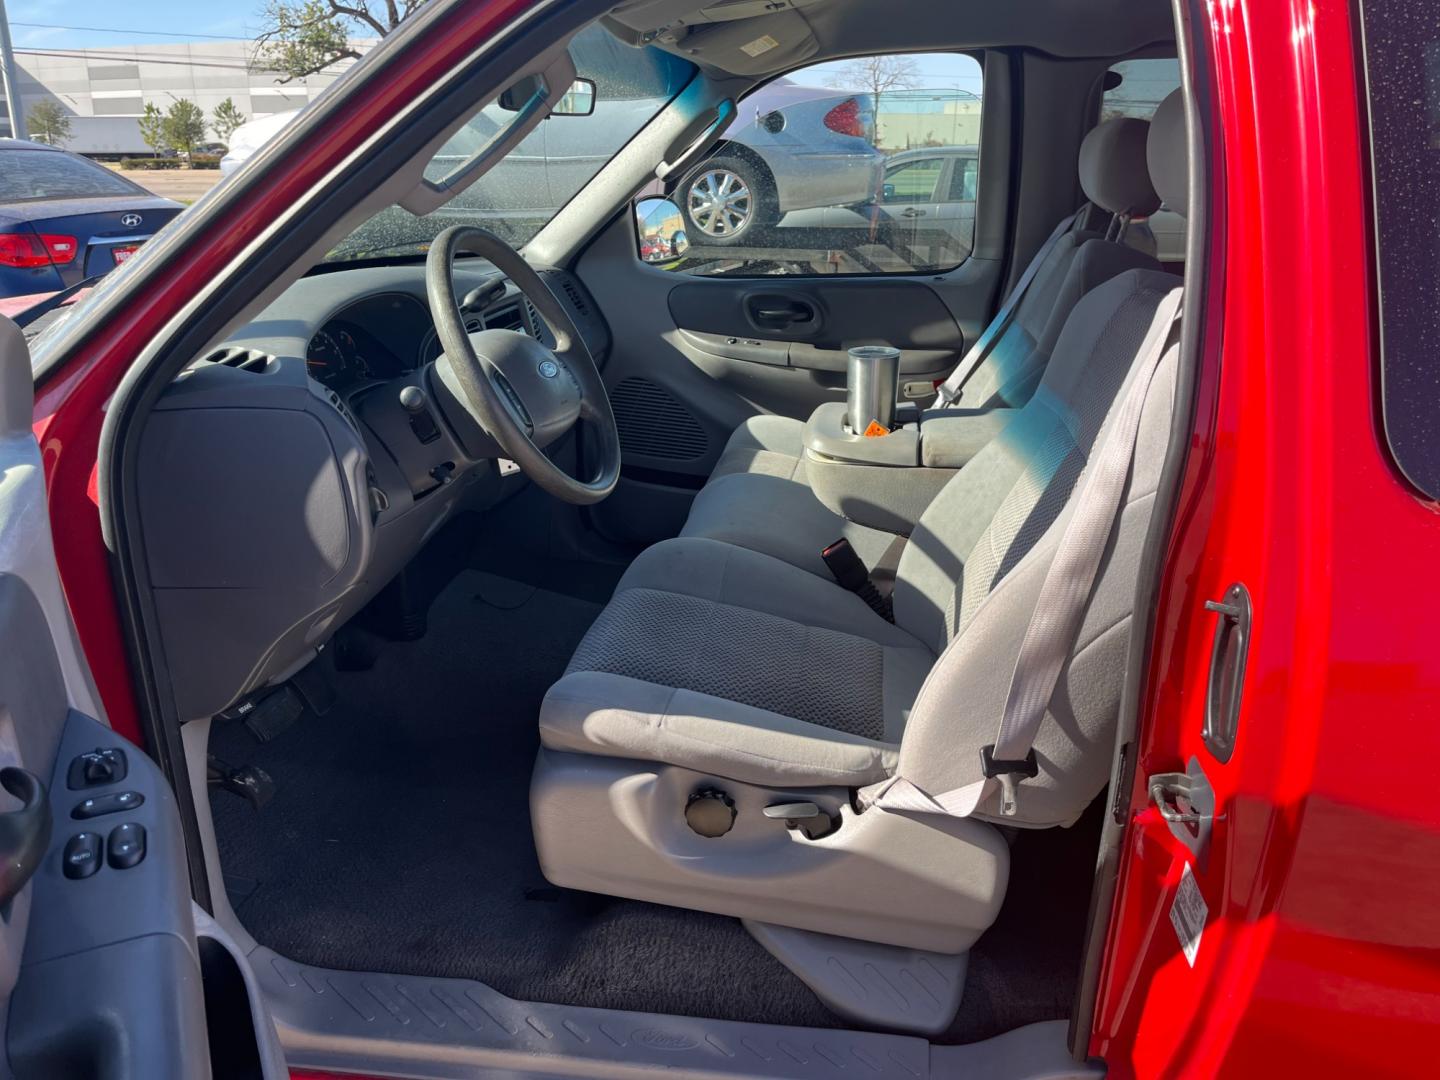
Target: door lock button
<point x="99" y="805"/>
<point x="83" y="854"/>
<point x="103" y="765"/>
<point x="127" y="845"/>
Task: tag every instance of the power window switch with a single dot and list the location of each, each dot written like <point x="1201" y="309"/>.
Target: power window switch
<point x="83" y="854"/>
<point x="126" y="845"/>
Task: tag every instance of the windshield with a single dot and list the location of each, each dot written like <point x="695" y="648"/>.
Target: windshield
<point x="541" y="174"/>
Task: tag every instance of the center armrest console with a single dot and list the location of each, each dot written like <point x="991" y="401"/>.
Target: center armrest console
<point x="886" y="482"/>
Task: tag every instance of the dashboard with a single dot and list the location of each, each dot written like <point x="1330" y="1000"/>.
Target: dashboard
<point x="388" y="335"/>
<point x="287" y="475"/>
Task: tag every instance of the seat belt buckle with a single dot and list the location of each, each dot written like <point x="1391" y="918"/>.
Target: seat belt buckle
<point x="1009" y="771"/>
<point x="847" y="568"/>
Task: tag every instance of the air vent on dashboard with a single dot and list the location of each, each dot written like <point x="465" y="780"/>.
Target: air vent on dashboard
<point x="243" y="359"/>
<point x="653" y="423"/>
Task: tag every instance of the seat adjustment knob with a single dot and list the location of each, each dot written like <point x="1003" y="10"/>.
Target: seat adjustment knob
<point x="710" y="812"/>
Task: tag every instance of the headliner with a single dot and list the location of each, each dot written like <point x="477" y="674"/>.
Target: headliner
<point x="748" y="37"/>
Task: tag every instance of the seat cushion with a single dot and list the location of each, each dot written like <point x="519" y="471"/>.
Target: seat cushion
<point x="759" y="498"/>
<point x="729" y="661"/>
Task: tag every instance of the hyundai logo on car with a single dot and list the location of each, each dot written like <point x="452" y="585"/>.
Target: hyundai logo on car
<point x="131" y="220"/>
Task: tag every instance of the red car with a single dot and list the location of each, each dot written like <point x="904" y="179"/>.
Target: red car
<point x="453" y="661"/>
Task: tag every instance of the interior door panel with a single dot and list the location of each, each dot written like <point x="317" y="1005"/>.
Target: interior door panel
<point x="693" y="357"/>
<point x="102" y="971"/>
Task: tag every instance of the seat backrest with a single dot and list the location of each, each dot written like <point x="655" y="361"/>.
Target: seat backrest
<point x="969" y="577"/>
<point x="1114" y="177"/>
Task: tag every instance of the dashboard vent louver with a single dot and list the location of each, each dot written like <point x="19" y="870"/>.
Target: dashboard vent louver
<point x="652" y="423"/>
<point x="244" y="359"/>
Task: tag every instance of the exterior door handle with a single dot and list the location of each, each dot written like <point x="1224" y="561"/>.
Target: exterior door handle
<point x="911" y="211"/>
<point x="24" y="833"/>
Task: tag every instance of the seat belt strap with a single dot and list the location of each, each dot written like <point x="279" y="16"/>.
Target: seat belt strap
<point x="1059" y="610"/>
<point x="950" y="389"/>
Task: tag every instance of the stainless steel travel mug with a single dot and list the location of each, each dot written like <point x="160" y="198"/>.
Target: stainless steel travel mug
<point x="873" y="382"/>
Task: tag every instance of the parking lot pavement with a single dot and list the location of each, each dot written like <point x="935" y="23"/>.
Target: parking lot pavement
<point x="183" y="185"/>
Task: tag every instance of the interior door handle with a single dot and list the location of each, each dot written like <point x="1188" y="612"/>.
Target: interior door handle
<point x="788" y="315"/>
<point x="24" y="833"/>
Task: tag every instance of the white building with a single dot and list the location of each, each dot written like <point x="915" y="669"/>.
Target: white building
<point x="106" y="89"/>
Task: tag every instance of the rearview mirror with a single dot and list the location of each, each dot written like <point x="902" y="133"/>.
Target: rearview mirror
<point x="659" y="230"/>
<point x="579" y="100"/>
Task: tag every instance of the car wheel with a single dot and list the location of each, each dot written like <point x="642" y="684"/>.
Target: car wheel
<point x="726" y="199"/>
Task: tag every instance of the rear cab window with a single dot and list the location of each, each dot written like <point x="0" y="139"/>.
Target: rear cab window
<point x="27" y="175"/>
<point x="1402" y="75"/>
<point x="860" y="166"/>
<point x="1136" y="88"/>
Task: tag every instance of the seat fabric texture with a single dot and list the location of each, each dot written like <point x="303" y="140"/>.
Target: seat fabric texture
<point x="728" y="661"/>
<point x="732" y="662"/>
<point x="758" y="495"/>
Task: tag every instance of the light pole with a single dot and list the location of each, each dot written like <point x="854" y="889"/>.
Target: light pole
<point x="10" y="78"/>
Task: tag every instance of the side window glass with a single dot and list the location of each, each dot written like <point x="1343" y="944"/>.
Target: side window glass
<point x="1136" y="88"/>
<point x="963" y="180"/>
<point x="843" y="167"/>
<point x="1402" y="75"/>
<point x="913" y="181"/>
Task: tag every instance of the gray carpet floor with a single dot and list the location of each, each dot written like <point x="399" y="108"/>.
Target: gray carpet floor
<point x="399" y="841"/>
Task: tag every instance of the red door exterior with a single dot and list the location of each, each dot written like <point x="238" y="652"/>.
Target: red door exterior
<point x="1321" y="953"/>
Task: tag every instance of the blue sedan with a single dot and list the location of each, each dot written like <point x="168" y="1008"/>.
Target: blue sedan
<point x="64" y="219"/>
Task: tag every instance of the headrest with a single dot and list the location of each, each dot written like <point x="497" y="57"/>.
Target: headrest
<point x="1113" y="173"/>
<point x="1168" y="154"/>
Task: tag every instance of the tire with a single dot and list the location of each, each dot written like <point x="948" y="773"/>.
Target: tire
<point x="727" y="200"/>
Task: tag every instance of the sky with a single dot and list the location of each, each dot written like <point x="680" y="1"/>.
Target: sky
<point x="36" y="24"/>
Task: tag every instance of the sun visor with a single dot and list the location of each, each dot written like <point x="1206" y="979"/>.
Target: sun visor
<point x="743" y="37"/>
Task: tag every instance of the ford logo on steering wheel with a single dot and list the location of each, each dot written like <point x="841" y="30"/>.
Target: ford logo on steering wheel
<point x="549" y="368"/>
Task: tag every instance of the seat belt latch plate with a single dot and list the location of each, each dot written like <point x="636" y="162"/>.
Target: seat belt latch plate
<point x="1009" y="772"/>
<point x="991" y="766"/>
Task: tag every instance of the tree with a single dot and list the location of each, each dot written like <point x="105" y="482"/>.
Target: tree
<point x="876" y="75"/>
<point x="225" y="119"/>
<point x="301" y="37"/>
<point x="49" y="123"/>
<point x="152" y="129"/>
<point x="184" y="126"/>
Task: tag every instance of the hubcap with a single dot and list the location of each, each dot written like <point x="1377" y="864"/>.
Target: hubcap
<point x="720" y="203"/>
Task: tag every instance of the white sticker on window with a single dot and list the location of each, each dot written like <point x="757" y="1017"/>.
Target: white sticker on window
<point x="1188" y="914"/>
<point x="759" y="45"/>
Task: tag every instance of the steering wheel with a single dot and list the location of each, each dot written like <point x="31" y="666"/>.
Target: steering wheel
<point x="523" y="394"/>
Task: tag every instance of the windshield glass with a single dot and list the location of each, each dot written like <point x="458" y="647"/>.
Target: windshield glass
<point x="540" y="175"/>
